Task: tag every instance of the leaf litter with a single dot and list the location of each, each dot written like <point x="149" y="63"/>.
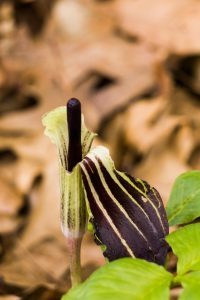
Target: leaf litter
<point x="139" y="87"/>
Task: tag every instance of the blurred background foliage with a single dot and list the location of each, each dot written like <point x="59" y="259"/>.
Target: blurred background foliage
<point x="135" y="66"/>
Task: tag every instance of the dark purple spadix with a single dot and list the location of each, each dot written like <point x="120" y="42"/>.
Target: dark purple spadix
<point x="74" y="131"/>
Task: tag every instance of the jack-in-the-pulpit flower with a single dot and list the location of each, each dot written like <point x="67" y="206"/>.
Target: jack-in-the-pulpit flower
<point x="127" y="214"/>
<point x="66" y="128"/>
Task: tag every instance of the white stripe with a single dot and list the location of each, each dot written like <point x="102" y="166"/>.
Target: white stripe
<point x="140" y="191"/>
<point x="115" y="200"/>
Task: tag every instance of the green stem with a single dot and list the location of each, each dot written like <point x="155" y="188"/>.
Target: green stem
<point x="74" y="250"/>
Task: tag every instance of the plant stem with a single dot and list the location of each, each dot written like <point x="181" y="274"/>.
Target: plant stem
<point x="74" y="250"/>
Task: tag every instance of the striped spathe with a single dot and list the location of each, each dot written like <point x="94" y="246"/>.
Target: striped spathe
<point x="127" y="213"/>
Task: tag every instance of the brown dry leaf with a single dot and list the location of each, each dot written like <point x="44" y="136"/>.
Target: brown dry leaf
<point x="168" y="26"/>
<point x="10" y="198"/>
<point x="149" y="124"/>
<point x="160" y="169"/>
<point x="37" y="265"/>
<point x="9" y="297"/>
<point x="11" y="202"/>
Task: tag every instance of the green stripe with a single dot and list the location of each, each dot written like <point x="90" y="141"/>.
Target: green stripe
<point x="73" y="220"/>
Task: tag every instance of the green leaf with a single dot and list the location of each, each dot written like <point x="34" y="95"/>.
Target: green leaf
<point x="184" y="202"/>
<point x="191" y="285"/>
<point x="185" y="243"/>
<point x="125" y="278"/>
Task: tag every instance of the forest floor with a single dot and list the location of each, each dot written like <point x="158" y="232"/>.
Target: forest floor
<point x="135" y="66"/>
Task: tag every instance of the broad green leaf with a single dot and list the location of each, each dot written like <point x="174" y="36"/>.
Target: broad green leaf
<point x="184" y="202"/>
<point x="126" y="278"/>
<point x="185" y="243"/>
<point x="191" y="285"/>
